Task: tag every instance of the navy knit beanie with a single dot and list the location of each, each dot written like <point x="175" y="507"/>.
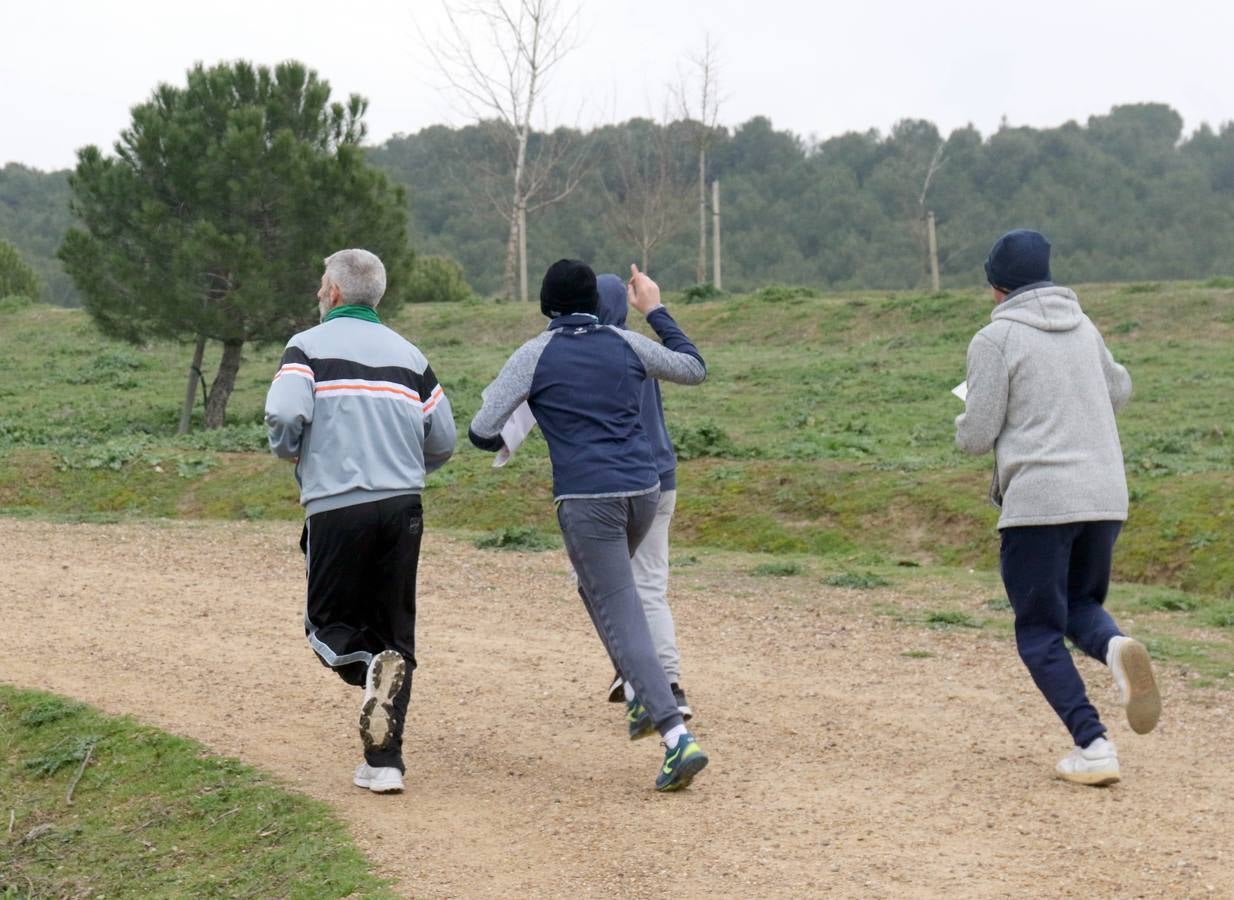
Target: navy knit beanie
<point x="569" y="286"/>
<point x="1018" y="258"/>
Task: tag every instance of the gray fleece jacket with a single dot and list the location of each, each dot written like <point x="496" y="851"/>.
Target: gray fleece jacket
<point x="1042" y="394"/>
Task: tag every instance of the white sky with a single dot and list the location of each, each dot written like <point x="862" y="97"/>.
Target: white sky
<point x="71" y="69"/>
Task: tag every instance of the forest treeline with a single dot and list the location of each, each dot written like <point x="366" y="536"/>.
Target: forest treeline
<point x="1124" y="197"/>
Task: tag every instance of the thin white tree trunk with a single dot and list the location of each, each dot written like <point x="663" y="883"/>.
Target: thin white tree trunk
<point x="715" y="236"/>
<point x="702" y="216"/>
<point x="932" y="240"/>
<point x="522" y="252"/>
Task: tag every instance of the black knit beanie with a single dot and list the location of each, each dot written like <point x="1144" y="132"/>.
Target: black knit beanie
<point x="1018" y="258"/>
<point x="569" y="286"/>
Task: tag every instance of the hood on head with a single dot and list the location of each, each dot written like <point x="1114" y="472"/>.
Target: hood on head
<point x="612" y="308"/>
<point x="1047" y="308"/>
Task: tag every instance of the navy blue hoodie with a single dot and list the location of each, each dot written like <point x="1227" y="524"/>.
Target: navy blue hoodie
<point x="612" y="311"/>
<point x="584" y="384"/>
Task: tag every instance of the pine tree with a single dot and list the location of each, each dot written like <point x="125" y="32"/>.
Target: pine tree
<point x="212" y="219"/>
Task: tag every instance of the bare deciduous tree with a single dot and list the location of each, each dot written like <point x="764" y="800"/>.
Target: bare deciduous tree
<point x="704" y="112"/>
<point x="497" y="55"/>
<point x="649" y="189"/>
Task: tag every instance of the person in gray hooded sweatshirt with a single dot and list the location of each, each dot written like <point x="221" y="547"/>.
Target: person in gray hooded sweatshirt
<point x="1043" y="390"/>
<point x="650" y="559"/>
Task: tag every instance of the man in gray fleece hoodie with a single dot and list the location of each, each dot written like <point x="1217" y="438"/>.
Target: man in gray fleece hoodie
<point x="1043" y="390"/>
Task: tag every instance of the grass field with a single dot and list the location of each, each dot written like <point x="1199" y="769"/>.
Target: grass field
<point x="825" y="428"/>
<point x="153" y="815"/>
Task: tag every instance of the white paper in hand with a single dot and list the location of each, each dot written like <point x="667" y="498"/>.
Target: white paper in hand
<point x="513" y="433"/>
<point x="961" y="390"/>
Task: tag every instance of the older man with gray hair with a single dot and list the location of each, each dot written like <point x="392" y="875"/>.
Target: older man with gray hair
<point x="360" y="411"/>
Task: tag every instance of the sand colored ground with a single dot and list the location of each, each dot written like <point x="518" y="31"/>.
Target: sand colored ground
<point x="840" y="767"/>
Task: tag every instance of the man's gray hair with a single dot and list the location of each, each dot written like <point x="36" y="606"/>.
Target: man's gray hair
<point x="358" y="274"/>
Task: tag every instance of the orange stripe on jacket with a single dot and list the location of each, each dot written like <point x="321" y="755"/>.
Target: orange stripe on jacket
<point x="411" y="395"/>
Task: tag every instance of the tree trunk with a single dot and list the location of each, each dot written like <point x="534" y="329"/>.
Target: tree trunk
<point x="646" y="258"/>
<point x="715" y="235"/>
<point x="224" y="381"/>
<point x="522" y="252"/>
<point x="517" y="203"/>
<point x="702" y="216"/>
<point x="932" y="241"/>
<point x="507" y="274"/>
<point x="190" y="391"/>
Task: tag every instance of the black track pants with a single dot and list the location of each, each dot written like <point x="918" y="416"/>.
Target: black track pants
<point x="361" y="562"/>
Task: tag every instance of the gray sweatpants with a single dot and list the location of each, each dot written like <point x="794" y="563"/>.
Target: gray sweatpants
<point x="601" y="533"/>
<point x="650" y="562"/>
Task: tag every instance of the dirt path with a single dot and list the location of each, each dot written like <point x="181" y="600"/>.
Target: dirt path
<point x="840" y="766"/>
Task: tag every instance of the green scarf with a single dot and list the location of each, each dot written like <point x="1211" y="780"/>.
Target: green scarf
<point x="353" y="311"/>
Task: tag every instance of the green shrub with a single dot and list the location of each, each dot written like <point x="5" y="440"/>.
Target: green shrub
<point x="697" y="293"/>
<point x="14" y="302"/>
<point x="951" y="619"/>
<point x="778" y="569"/>
<point x="707" y="439"/>
<point x="16" y="278"/>
<point x="857" y="580"/>
<point x="783" y="293"/>
<point x="437" y="279"/>
<point x="517" y="538"/>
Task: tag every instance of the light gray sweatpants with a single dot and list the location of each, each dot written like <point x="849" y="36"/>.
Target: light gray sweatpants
<point x="601" y="534"/>
<point x="650" y="563"/>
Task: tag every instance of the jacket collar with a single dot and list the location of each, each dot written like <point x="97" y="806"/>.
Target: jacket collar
<point x="573" y="320"/>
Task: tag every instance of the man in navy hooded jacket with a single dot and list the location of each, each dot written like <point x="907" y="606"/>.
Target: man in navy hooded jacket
<point x="583" y="382"/>
<point x="650" y="560"/>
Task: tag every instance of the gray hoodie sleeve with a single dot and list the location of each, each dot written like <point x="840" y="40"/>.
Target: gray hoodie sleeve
<point x="1117" y="379"/>
<point x="985" y="410"/>
<point x="677" y="360"/>
<point x="509" y="389"/>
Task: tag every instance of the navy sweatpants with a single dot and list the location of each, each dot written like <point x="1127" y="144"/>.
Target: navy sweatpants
<point x="1057" y="577"/>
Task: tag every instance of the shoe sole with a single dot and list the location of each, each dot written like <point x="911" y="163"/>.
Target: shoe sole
<point x="685" y="774"/>
<point x="375" y="725"/>
<point x="386" y="789"/>
<point x="1091" y="779"/>
<point x="1144" y="705"/>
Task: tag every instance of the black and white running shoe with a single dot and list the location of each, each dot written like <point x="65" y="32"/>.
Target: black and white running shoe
<point x="383" y="682"/>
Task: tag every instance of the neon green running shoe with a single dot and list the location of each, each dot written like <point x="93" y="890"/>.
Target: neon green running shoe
<point x="638" y="720"/>
<point x="681" y="764"/>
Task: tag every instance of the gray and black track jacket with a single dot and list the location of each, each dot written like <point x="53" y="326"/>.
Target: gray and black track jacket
<point x="361" y="410"/>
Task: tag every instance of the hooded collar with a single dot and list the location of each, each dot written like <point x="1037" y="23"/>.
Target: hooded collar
<point x="613" y="307"/>
<point x="1044" y="306"/>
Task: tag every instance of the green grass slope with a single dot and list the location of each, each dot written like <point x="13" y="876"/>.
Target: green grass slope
<point x="151" y="815"/>
<point x="825" y="427"/>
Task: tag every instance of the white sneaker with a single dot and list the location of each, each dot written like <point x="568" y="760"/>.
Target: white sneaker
<point x="383" y="681"/>
<point x="1096" y="764"/>
<point x="1133" y="673"/>
<point x="380" y="780"/>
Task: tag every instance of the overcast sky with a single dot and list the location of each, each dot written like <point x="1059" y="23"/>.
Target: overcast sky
<point x="71" y="69"/>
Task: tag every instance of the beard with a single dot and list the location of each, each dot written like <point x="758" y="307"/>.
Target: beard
<point x="323" y="307"/>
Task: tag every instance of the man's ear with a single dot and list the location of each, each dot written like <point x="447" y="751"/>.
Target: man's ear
<point x="336" y="296"/>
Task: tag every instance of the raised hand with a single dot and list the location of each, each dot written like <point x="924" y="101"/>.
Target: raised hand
<point x="641" y="292"/>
